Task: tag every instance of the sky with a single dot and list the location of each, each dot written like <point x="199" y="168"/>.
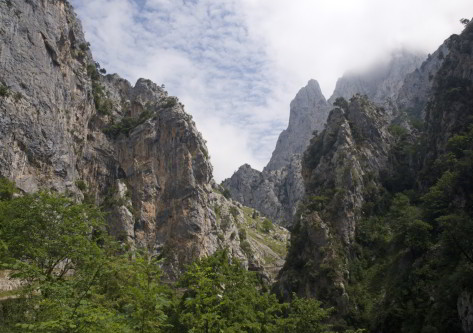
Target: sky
<point x="237" y="64"/>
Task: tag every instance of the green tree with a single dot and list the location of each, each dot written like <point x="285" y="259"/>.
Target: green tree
<point x="48" y="235"/>
<point x="75" y="278"/>
<point x="221" y="296"/>
<point x="53" y="246"/>
<point x="342" y="103"/>
<point x="304" y="315"/>
<point x="7" y="189"/>
<point x="267" y="226"/>
<point x="132" y="286"/>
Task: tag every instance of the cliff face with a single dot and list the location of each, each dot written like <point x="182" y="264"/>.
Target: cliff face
<point x="131" y="149"/>
<point x="43" y="122"/>
<point x="450" y="109"/>
<point x="416" y="88"/>
<point x="275" y="193"/>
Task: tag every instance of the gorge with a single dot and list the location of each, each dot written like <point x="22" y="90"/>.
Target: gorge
<point x="365" y="204"/>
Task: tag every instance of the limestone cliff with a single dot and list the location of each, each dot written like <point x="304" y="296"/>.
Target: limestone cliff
<point x="66" y="127"/>
<point x="415" y="90"/>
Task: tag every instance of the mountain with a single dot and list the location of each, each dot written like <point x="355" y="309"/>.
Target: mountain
<point x="67" y="127"/>
<point x="278" y="189"/>
<point x="379" y="199"/>
<point x="340" y="164"/>
<point x="384" y="231"/>
<point x="414" y="92"/>
<point x="308" y="112"/>
<point x="382" y="82"/>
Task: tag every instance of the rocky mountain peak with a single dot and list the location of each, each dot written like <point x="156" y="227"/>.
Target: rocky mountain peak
<point x="308" y="112"/>
<point x="308" y="97"/>
<point x="415" y="90"/>
<point x="277" y="190"/>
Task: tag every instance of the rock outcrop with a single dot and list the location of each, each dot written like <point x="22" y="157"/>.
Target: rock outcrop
<point x="66" y="127"/>
<point x="47" y="100"/>
<point x="275" y="193"/>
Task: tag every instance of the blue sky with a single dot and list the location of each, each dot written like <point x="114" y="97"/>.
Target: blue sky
<point x="236" y="64"/>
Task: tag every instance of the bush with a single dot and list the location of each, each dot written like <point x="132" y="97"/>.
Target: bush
<point x="7" y="189"/>
<point x="397" y="131"/>
<point x="267" y="226"/>
<point x="81" y="185"/>
<point x="217" y="210"/>
<point x="317" y="202"/>
<point x="234" y="211"/>
<point x="246" y="248"/>
<point x="225" y="223"/>
<point x="17" y="96"/>
<point x="226" y="193"/>
<point x="242" y="234"/>
<point x="4" y="91"/>
<point x="127" y="124"/>
<point x="169" y="102"/>
<point x="103" y="105"/>
<point x="84" y="46"/>
<point x="92" y="72"/>
<point x="341" y="103"/>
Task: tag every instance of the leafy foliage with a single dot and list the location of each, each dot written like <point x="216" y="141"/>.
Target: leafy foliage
<point x="416" y="258"/>
<point x="4" y="91"/>
<point x="221" y="296"/>
<point x="103" y="105"/>
<point x="169" y="102"/>
<point x="76" y="279"/>
<point x="127" y="124"/>
<point x="341" y="102"/>
<point x="226" y="193"/>
<point x="7" y="189"/>
<point x="267" y="225"/>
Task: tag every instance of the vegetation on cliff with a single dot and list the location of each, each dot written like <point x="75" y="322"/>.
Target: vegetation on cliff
<point x="409" y="263"/>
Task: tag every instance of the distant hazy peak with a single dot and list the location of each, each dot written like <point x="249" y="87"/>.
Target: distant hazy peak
<point x="382" y="81"/>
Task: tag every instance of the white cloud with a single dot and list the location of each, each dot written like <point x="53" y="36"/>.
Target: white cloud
<point x="236" y="64"/>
